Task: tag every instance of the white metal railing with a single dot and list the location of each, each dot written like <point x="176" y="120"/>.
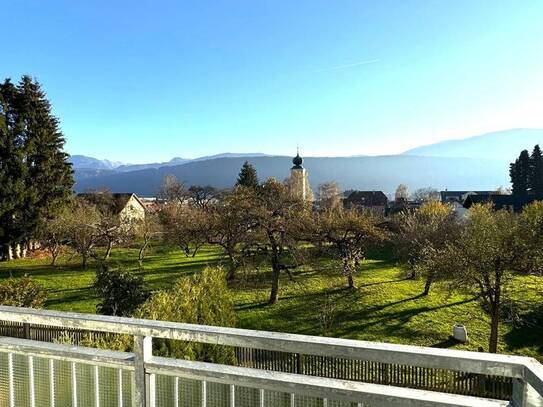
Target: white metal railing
<point x="225" y="385"/>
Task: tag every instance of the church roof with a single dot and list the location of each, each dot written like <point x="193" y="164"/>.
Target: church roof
<point x="297" y="161"/>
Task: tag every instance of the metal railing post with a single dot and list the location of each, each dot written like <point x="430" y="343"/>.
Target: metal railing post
<point x="143" y="351"/>
<point x="524" y="395"/>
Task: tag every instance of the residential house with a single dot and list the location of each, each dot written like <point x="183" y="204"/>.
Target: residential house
<point x="125" y="205"/>
<point x="375" y="200"/>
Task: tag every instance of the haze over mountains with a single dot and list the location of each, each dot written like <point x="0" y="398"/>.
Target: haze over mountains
<point x="479" y="162"/>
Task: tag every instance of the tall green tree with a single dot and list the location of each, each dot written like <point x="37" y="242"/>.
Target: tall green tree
<point x="35" y="175"/>
<point x="247" y="176"/>
<point x="520" y="173"/>
<point x="535" y="179"/>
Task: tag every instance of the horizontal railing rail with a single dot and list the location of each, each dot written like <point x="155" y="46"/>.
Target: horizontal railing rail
<point x="525" y="371"/>
<point x="234" y="377"/>
<point x="325" y="388"/>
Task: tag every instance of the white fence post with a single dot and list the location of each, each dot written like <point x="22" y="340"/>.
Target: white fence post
<point x="143" y="351"/>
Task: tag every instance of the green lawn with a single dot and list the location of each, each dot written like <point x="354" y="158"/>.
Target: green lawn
<point x="386" y="307"/>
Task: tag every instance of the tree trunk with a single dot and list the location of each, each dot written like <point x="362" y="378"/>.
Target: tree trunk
<point x="494" y="330"/>
<point x="84" y="260"/>
<point x="108" y="250"/>
<point x="231" y="274"/>
<point x="274" y="294"/>
<point x="276" y="270"/>
<point x="348" y="272"/>
<point x="428" y="284"/>
<point x="141" y="254"/>
<point x="54" y="256"/>
<point x="15" y="251"/>
<point x="233" y="267"/>
<point x="350" y="281"/>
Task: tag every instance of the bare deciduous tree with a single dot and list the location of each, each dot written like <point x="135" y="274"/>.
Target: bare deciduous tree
<point x="231" y="226"/>
<point x="147" y="229"/>
<point x="329" y="196"/>
<point x="430" y="227"/>
<point x="185" y="227"/>
<point x="349" y="234"/>
<point x="483" y="260"/>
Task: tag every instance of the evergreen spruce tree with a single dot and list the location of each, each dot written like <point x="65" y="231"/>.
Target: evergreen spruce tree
<point x="535" y="181"/>
<point x="520" y="173"/>
<point x="35" y="175"/>
<point x="247" y="176"/>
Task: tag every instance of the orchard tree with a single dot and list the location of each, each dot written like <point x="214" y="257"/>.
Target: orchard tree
<point x="247" y="176"/>
<point x="426" y="229"/>
<point x="172" y="190"/>
<point x="147" y="229"/>
<point x="203" y="197"/>
<point x="278" y="219"/>
<point x="53" y="234"/>
<point x="402" y="193"/>
<point x="231" y="226"/>
<point x="81" y="227"/>
<point x="329" y="196"/>
<point x="483" y="260"/>
<point x="349" y="234"/>
<point x="111" y="230"/>
<point x="185" y="227"/>
<point x="426" y="194"/>
<point x="530" y="238"/>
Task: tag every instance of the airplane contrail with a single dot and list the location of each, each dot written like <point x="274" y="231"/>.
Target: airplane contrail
<point x="335" y="68"/>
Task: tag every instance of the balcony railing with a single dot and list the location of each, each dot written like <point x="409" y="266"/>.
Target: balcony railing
<point x="36" y="373"/>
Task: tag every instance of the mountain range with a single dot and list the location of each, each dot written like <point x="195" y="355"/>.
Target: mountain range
<point x="477" y="163"/>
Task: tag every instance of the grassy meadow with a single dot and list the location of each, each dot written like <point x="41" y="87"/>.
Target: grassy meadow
<point x="386" y="307"/>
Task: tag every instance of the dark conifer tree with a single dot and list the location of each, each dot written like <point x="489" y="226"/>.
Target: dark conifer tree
<point x="520" y="173"/>
<point x="535" y="180"/>
<point x="35" y="172"/>
<point x="247" y="176"/>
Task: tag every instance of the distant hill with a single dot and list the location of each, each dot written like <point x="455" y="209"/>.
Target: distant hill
<point x="367" y="173"/>
<point x="83" y="161"/>
<point x="475" y="163"/>
<point x="502" y="145"/>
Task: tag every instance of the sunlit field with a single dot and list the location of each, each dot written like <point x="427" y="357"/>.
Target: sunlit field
<point x="386" y="307"/>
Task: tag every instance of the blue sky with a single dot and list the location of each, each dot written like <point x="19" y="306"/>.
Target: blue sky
<point x="145" y="80"/>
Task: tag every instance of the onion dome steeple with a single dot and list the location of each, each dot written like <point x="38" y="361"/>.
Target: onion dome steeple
<point x="297" y="161"/>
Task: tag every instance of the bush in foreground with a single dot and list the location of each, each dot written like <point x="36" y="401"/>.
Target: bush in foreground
<point x="201" y="299"/>
<point x="23" y="292"/>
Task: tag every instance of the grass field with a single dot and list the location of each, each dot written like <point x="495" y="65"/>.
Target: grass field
<point x="386" y="307"/>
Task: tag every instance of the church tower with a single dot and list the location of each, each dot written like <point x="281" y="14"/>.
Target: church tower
<point x="298" y="181"/>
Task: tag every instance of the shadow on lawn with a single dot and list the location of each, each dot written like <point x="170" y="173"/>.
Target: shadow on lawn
<point x="76" y="295"/>
<point x="394" y="319"/>
<point x="528" y="333"/>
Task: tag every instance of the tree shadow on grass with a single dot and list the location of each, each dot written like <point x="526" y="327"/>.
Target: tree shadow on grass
<point x="75" y="296"/>
<point x="397" y="280"/>
<point x="527" y="333"/>
<point x="393" y="319"/>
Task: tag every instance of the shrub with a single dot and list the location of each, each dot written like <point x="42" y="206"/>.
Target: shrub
<point x="117" y="342"/>
<point x="23" y="292"/>
<point x="201" y="299"/>
<point x="121" y="291"/>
